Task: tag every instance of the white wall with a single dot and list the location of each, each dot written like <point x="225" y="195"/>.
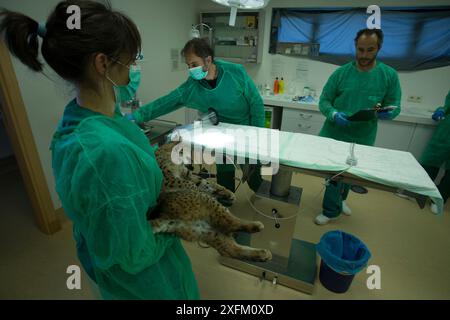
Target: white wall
<point x="432" y="85"/>
<point x="163" y="25"/>
<point x="43" y="111"/>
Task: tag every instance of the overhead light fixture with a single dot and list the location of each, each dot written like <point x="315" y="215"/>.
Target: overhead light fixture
<point x="195" y="31"/>
<point x="241" y="4"/>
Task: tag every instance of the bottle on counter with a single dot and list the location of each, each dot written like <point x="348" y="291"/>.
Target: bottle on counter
<point x="267" y="90"/>
<point x="306" y="91"/>
<point x="276" y="86"/>
<point x="281" y="86"/>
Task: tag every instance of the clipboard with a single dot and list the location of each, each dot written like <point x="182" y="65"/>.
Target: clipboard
<point x="369" y="114"/>
<point x="363" y="115"/>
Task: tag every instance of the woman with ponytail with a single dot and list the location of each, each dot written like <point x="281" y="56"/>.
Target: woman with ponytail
<point x="105" y="169"/>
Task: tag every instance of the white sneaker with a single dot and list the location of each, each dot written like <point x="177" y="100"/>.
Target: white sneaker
<point x="434" y="208"/>
<point x="322" y="219"/>
<point x="346" y="209"/>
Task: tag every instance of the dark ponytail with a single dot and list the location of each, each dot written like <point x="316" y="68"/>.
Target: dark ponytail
<point x="21" y="37"/>
<point x="68" y="51"/>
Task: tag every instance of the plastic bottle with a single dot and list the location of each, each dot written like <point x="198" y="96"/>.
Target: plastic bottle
<point x="276" y="86"/>
<point x="281" y="86"/>
<point x="267" y="90"/>
<point x="306" y="91"/>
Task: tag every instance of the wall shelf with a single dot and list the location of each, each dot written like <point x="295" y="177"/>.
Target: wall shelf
<point x="239" y="44"/>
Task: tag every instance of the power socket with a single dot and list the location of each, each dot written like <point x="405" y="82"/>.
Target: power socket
<point x="415" y="99"/>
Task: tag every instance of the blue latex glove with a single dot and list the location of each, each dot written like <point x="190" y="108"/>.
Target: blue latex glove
<point x="341" y="119"/>
<point x="384" y="115"/>
<point x="438" y="114"/>
<point x="130" y="117"/>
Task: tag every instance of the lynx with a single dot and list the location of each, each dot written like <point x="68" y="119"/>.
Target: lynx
<point x="190" y="207"/>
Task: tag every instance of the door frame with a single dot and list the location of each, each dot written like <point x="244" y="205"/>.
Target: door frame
<point x="22" y="141"/>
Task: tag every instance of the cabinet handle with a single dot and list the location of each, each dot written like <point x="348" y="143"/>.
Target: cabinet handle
<point x="304" y="127"/>
<point x="305" y="116"/>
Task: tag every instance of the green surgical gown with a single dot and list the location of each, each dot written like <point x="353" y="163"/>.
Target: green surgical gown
<point x="107" y="179"/>
<point x="437" y="151"/>
<point x="235" y="98"/>
<point x="349" y="90"/>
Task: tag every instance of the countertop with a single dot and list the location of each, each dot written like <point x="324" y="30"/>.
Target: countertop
<point x="408" y="114"/>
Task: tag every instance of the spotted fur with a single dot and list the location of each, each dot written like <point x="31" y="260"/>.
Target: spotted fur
<point x="188" y="207"/>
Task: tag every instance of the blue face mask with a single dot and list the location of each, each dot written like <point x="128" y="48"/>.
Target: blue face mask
<point x="197" y="73"/>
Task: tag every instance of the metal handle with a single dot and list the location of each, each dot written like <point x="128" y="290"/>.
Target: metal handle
<point x="276" y="216"/>
<point x="304" y="127"/>
<point x="263" y="276"/>
<point x="175" y="124"/>
<point x="305" y="116"/>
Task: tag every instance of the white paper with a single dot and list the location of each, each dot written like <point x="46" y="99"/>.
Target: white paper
<point x="277" y="68"/>
<point x="302" y="71"/>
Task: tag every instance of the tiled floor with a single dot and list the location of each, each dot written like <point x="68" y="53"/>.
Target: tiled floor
<point x="410" y="245"/>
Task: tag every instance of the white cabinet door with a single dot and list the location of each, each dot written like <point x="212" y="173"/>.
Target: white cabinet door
<point x="421" y="137"/>
<point x="300" y="121"/>
<point x="394" y="135"/>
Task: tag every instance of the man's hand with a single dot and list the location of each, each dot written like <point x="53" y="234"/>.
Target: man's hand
<point x="341" y="119"/>
<point x="384" y="115"/>
<point x="438" y="114"/>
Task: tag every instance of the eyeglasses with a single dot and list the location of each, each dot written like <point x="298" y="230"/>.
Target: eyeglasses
<point x="132" y="67"/>
<point x="139" y="57"/>
<point x="123" y="64"/>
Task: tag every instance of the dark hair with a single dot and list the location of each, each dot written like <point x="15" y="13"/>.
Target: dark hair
<point x="369" y="32"/>
<point x="200" y="47"/>
<point x="67" y="51"/>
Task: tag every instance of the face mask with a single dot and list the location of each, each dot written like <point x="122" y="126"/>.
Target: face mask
<point x="127" y="92"/>
<point x="197" y="73"/>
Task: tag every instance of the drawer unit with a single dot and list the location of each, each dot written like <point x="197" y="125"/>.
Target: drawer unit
<point x="300" y="121"/>
<point x="311" y="116"/>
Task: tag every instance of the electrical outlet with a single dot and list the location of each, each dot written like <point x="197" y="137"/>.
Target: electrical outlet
<point x="415" y="99"/>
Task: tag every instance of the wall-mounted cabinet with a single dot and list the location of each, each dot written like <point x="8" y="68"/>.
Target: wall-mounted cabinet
<point x="298" y="49"/>
<point x="241" y="43"/>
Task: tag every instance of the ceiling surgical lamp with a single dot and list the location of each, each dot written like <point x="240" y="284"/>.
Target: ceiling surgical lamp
<point x="241" y="4"/>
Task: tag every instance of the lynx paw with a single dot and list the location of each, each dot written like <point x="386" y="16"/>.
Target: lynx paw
<point x="257" y="226"/>
<point x="264" y="255"/>
<point x="225" y="197"/>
